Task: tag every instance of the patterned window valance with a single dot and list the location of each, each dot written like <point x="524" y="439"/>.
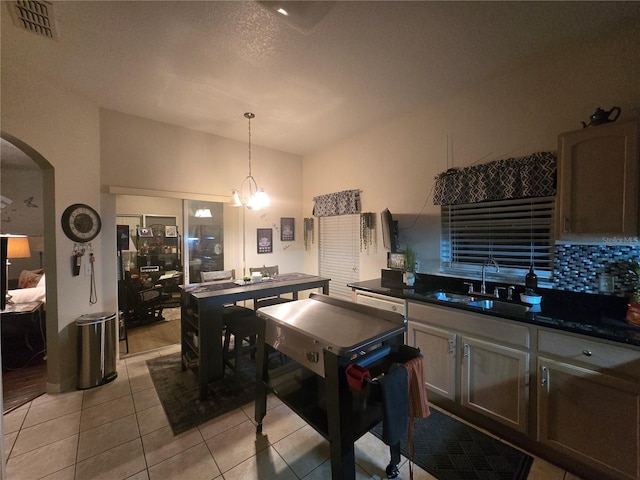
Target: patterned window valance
<point x="346" y="202"/>
<point x="530" y="176"/>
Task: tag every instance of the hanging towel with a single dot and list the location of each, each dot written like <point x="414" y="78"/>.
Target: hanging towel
<point x="418" y="404"/>
<point x="394" y="391"/>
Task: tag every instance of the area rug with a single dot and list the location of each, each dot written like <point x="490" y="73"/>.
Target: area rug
<point x="180" y="395"/>
<point x="451" y="450"/>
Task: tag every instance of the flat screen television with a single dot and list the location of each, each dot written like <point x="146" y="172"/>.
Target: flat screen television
<point x="389" y="231"/>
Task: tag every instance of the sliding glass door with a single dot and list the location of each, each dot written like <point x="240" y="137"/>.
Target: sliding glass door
<point x="203" y="240"/>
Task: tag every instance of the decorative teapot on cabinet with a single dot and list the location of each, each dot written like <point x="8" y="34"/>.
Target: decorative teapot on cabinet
<point x="601" y="117"/>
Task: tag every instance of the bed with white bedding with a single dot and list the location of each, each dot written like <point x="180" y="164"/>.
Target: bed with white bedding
<point x="32" y="291"/>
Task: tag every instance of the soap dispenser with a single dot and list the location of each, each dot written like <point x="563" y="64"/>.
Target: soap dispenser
<point x="531" y="279"/>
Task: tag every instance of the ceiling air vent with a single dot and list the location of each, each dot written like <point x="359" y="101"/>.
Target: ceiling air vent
<point x="34" y="16"/>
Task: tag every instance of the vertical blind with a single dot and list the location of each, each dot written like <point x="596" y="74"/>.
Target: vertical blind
<point x="338" y="249"/>
<point x="514" y="232"/>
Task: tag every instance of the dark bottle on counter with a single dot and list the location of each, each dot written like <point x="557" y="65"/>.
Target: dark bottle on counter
<point x="531" y="279"/>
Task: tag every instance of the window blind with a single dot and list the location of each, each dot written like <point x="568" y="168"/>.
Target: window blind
<point x="338" y="247"/>
<point x="514" y="232"/>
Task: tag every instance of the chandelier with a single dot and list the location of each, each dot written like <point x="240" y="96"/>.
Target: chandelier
<point x="249" y="194"/>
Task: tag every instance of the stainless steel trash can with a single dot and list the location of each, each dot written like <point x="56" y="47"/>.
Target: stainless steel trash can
<point x="96" y="349"/>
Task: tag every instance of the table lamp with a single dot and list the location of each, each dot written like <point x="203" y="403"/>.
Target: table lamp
<point x="17" y="247"/>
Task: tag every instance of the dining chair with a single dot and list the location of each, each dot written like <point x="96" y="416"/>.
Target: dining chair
<point x="270" y="271"/>
<point x="266" y="301"/>
<point x="217" y="275"/>
<point x="231" y="310"/>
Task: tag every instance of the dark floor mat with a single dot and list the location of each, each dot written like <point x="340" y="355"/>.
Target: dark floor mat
<point x="452" y="450"/>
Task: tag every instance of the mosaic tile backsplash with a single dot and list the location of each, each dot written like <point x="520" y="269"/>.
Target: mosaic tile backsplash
<point x="578" y="267"/>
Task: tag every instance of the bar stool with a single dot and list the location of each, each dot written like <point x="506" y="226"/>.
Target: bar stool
<point x="244" y="330"/>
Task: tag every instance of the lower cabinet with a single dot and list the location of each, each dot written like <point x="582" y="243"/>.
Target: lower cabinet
<point x="589" y="402"/>
<point x="494" y="381"/>
<point x="575" y="397"/>
<point x="438" y="348"/>
<point x="474" y="360"/>
<point x="589" y="415"/>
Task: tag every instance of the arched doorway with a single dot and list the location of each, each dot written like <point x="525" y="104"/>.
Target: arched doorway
<point x="28" y="201"/>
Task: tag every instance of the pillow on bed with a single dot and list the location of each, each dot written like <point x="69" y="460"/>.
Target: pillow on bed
<point x="29" y="278"/>
<point x="26" y="295"/>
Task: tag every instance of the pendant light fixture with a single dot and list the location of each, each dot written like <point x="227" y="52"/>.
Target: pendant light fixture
<point x="249" y="194"/>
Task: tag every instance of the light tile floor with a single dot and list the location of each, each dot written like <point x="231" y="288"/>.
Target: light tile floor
<point x="119" y="431"/>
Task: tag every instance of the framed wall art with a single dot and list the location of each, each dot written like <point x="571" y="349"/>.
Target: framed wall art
<point x="395" y="261"/>
<point x="122" y="232"/>
<point x="171" y="231"/>
<point x="287" y="230"/>
<point x="265" y="240"/>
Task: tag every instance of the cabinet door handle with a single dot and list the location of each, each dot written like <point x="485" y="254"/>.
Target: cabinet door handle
<point x="565" y="225"/>
<point x="465" y="350"/>
<point x="587" y="353"/>
<point x="394" y="308"/>
<point x="544" y="377"/>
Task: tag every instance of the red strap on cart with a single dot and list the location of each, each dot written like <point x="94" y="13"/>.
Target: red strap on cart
<point x="356" y="376"/>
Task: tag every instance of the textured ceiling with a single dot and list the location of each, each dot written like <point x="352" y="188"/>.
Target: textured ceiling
<point x="335" y="69"/>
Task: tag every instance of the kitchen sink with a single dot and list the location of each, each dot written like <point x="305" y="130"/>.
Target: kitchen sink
<point x="449" y="297"/>
<point x="500" y="306"/>
<point x="481" y="303"/>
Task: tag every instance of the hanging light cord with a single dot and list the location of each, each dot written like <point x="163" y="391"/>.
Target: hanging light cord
<point x="249" y="116"/>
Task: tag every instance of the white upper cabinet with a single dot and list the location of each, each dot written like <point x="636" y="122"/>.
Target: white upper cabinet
<point x="598" y="193"/>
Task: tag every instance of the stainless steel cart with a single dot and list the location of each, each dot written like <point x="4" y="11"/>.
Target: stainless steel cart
<point x="323" y="336"/>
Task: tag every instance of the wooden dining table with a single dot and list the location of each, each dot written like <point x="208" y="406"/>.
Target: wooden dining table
<point x="202" y="315"/>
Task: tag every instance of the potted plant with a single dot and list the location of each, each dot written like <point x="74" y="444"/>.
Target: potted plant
<point x="633" y="310"/>
<point x="408" y="276"/>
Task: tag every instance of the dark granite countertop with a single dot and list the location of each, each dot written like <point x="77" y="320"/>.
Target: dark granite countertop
<point x="600" y="316"/>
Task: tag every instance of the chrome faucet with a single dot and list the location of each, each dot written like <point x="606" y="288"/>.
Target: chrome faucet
<point x="483" y="287"/>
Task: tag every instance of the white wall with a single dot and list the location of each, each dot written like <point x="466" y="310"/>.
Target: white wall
<point x="138" y="205"/>
<point x="64" y="129"/>
<point x="516" y="113"/>
<point x="142" y="153"/>
<point x="25" y="215"/>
